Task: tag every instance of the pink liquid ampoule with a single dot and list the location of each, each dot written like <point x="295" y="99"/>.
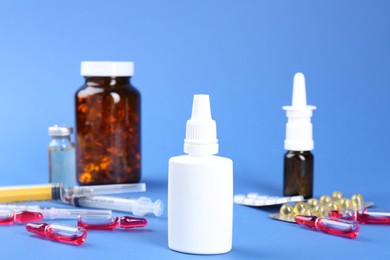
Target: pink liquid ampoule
<point x="363" y="216"/>
<point x="109" y="222"/>
<point x="6" y="217"/>
<point x="366" y="217"/>
<point x="60" y="233"/>
<point x="27" y="216"/>
<point x="338" y="227"/>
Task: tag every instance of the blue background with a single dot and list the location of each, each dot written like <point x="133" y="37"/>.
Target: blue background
<point x="244" y="54"/>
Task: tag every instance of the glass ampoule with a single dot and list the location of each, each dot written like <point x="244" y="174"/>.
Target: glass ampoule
<point x="110" y="222"/>
<point x="60" y="233"/>
<point x="334" y="226"/>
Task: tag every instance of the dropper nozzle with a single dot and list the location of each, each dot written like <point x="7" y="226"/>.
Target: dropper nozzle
<point x="201" y="108"/>
<point x="201" y="129"/>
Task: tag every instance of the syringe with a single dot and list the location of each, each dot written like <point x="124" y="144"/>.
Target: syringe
<point x="137" y="206"/>
<point x="16" y="207"/>
<point x="56" y="191"/>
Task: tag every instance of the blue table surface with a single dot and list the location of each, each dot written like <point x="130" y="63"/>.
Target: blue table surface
<point x="255" y="235"/>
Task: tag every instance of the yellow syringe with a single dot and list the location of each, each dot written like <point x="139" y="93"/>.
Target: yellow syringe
<point x="56" y="191"/>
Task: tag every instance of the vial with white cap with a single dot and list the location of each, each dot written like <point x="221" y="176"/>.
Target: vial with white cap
<point x="200" y="189"/>
<point x="62" y="162"/>
<point x="298" y="160"/>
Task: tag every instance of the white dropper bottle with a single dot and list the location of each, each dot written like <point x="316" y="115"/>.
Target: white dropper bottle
<point x="298" y="160"/>
<point x="200" y="189"/>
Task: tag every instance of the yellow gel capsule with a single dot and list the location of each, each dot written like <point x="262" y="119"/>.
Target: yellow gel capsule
<point x="311" y="203"/>
<point x="319" y="211"/>
<point x="286" y="210"/>
<point x="333" y="205"/>
<point x="306" y="212"/>
<point x="337" y="195"/>
<point x="357" y="201"/>
<point x="345" y="203"/>
<point x="299" y="207"/>
<point x="325" y="199"/>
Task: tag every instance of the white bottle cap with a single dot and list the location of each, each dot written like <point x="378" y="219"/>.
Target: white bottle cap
<point x="107" y="69"/>
<point x="299" y="130"/>
<point x="201" y="130"/>
<point x="60" y="130"/>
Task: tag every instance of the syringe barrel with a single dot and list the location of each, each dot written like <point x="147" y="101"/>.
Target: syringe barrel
<point x="138" y="207"/>
<point x="64" y="213"/>
<point x="105" y="202"/>
<point x="82" y="191"/>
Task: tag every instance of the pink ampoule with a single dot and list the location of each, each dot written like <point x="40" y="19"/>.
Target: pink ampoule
<point x="366" y="217"/>
<point x="109" y="222"/>
<point x="345" y="214"/>
<point x="339" y="227"/>
<point x="60" y="233"/>
<point x="132" y="222"/>
<point x="101" y="222"/>
<point x="363" y="216"/>
<point x="27" y="216"/>
<point x="6" y="217"/>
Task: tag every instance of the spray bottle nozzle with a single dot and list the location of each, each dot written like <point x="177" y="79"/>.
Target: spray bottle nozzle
<point x="299" y="91"/>
<point x="299" y="130"/>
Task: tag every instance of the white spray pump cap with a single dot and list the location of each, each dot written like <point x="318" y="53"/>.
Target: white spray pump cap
<point x="201" y="130"/>
<point x="299" y="129"/>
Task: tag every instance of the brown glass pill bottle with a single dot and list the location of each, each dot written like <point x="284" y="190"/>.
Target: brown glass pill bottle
<point x="108" y="125"/>
<point x="298" y="160"/>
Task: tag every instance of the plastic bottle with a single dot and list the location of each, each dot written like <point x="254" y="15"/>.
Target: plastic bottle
<point x="108" y="125"/>
<point x="298" y="160"/>
<point x="200" y="189"/>
<point x="62" y="164"/>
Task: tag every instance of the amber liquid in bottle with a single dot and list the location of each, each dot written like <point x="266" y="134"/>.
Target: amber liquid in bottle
<point x="108" y="135"/>
<point x="298" y="174"/>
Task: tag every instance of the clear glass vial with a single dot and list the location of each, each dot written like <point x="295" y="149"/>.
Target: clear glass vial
<point x="62" y="165"/>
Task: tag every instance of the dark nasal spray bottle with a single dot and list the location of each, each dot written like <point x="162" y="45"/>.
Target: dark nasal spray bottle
<point x="298" y="160"/>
